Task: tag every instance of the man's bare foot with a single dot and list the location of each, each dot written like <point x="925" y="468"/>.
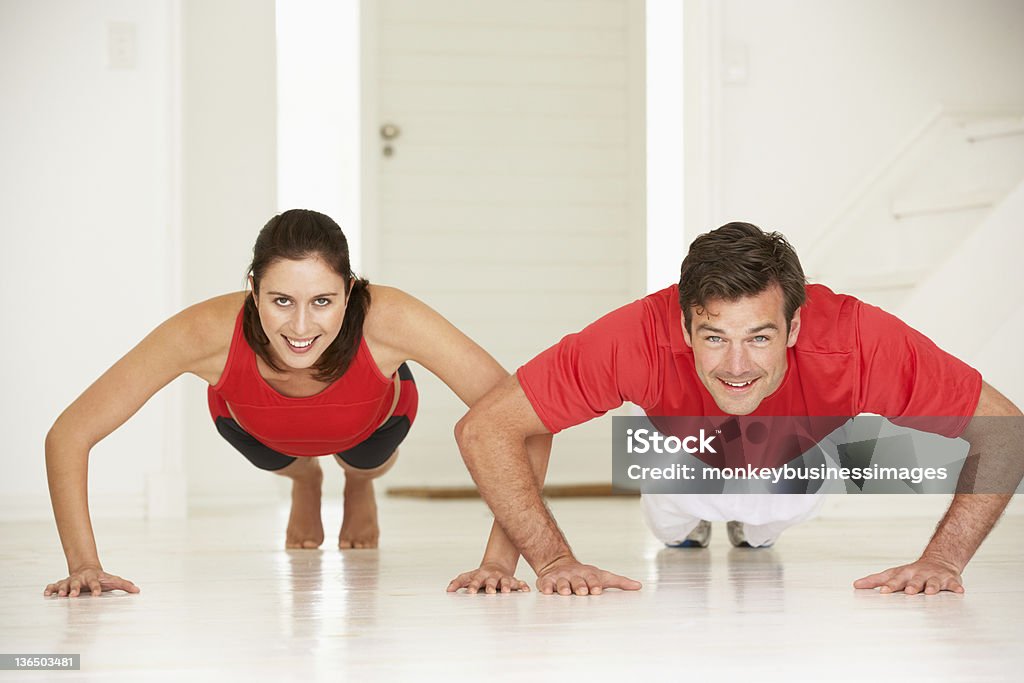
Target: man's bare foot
<point x="359" y="524"/>
<point x="305" y="527"/>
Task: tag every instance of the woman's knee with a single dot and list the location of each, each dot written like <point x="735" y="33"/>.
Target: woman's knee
<point x="255" y="452"/>
<point x="361" y="469"/>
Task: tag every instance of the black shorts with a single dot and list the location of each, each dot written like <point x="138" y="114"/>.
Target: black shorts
<point x="368" y="454"/>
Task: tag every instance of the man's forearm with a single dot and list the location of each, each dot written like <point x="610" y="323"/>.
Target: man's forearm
<point x="990" y="475"/>
<point x="965" y="525"/>
<point x="500" y="548"/>
<point x="501" y="468"/>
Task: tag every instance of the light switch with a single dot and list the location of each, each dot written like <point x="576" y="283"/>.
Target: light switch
<point x="735" y="64"/>
<point x="121" y="45"/>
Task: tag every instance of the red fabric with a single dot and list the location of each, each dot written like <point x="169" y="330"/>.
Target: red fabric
<point x="339" y="417"/>
<point x="850" y="358"/>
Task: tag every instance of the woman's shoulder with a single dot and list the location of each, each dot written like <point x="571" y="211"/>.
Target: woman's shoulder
<point x="400" y="320"/>
<point x="380" y="292"/>
<point x="388" y="307"/>
<point x="392" y="317"/>
<point x="213" y="319"/>
<point x="208" y="328"/>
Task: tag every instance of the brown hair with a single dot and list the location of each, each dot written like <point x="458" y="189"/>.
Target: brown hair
<point x="295" y="235"/>
<point x="738" y="260"/>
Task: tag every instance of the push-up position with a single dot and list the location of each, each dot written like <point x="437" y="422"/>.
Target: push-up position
<point x="311" y="361"/>
<point x="741" y="334"/>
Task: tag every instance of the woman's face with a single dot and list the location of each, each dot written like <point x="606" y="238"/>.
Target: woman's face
<point x="301" y="306"/>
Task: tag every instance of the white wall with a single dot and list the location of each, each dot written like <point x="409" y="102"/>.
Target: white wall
<point x="832" y="85"/>
<point x="983" y="328"/>
<point x="89" y="176"/>
<point x="230" y="191"/>
<point x="665" y="110"/>
<point x="318" y="113"/>
<point x="111" y="179"/>
<point x="793" y="103"/>
<point x="87" y="186"/>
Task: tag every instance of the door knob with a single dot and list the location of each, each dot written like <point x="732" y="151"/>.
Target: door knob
<point x="389" y="132"/>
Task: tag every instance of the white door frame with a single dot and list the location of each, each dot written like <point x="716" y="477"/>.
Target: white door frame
<point x="369" y="123"/>
<point x="702" y="45"/>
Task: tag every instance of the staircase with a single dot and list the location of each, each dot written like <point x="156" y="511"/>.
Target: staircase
<point x="915" y="211"/>
<point x="973" y="303"/>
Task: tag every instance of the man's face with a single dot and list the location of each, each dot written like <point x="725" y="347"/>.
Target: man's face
<point x="739" y="348"/>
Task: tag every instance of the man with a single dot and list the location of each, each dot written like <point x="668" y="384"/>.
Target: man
<point x="742" y="334"/>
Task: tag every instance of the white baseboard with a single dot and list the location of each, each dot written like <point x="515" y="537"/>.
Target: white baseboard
<point x="864" y="506"/>
<point x="166" y="496"/>
<point x="25" y="508"/>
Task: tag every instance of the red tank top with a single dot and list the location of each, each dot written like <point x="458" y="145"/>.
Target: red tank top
<point x="339" y="417"/>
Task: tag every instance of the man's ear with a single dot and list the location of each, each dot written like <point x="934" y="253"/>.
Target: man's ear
<point x="794" y="329"/>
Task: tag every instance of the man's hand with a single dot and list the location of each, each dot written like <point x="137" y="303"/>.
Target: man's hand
<point x="989" y="476"/>
<point x="569" y="577"/>
<point x="492" y="577"/>
<point x="91" y="579"/>
<point x="928" y="575"/>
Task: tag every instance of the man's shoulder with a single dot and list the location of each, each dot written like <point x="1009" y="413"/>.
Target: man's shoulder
<point x="664" y="299"/>
<point x="651" y="322"/>
<point x="639" y="318"/>
<point x="662" y="308"/>
<point x="828" y="321"/>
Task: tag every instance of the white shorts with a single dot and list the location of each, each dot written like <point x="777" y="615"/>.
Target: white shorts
<point x="672" y="516"/>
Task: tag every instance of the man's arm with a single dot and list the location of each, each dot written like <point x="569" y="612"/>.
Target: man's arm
<point x="497" y="569"/>
<point x="400" y="328"/>
<point x="995" y="462"/>
<point x="492" y="437"/>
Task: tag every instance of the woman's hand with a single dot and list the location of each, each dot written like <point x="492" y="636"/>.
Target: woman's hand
<point x="491" y="577"/>
<point x="92" y="579"/>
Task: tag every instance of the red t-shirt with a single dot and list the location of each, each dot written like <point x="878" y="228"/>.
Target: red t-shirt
<point x="850" y="358"/>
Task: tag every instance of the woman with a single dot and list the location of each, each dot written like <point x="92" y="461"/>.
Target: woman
<point x="310" y="361"/>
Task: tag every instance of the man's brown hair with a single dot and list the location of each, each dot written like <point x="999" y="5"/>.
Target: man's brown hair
<point x="739" y="260"/>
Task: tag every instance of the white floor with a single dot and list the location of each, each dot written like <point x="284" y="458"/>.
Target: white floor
<point x="220" y="600"/>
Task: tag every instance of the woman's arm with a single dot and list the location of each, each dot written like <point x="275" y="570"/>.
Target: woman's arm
<point x="399" y="327"/>
<point x="191" y="341"/>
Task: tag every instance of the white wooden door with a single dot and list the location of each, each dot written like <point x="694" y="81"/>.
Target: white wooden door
<point x="511" y="199"/>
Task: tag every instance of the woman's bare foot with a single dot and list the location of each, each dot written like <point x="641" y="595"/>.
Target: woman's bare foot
<point x="359" y="524"/>
<point x="305" y="526"/>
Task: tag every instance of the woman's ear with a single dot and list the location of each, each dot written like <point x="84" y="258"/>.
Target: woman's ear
<point x="252" y="292"/>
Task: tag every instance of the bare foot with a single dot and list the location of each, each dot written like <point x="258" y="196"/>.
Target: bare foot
<point x="359" y="524"/>
<point x="305" y="527"/>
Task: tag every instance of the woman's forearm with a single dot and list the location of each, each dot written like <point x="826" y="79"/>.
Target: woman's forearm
<point x="67" y="472"/>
